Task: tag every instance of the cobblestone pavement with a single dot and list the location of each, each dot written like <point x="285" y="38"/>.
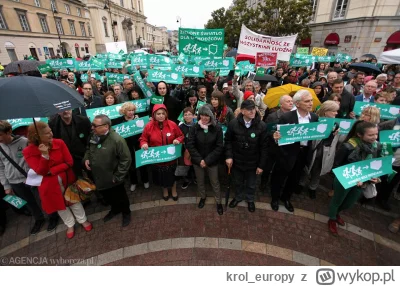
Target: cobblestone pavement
<point x="178" y="233"/>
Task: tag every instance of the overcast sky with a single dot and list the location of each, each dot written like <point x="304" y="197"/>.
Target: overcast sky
<point x="194" y="13"/>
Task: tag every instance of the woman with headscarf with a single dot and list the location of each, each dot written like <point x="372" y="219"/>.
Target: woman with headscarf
<point x="319" y="90"/>
<point x="159" y="132"/>
<point x="205" y="145"/>
<point x="171" y="103"/>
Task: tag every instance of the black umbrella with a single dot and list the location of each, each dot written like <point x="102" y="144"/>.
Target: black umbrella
<point x="364" y="67"/>
<point x="26" y="96"/>
<point x="232" y="53"/>
<point x="18" y="67"/>
<point x="265" y="77"/>
<point x="370" y="56"/>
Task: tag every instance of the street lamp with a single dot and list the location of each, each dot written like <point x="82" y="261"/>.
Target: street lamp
<point x="54" y="11"/>
<point x="179" y="20"/>
<point x="107" y="6"/>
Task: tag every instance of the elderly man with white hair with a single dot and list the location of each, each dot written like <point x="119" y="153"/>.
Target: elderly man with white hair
<point x="292" y="157"/>
<point x="381" y="81"/>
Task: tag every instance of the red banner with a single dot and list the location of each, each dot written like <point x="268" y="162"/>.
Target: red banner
<point x="266" y="59"/>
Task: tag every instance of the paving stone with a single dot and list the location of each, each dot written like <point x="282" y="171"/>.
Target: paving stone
<point x="206" y="242"/>
<point x="359" y="231"/>
<point x="387" y="242"/>
<point x="110" y="256"/>
<point x="305" y="259"/>
<point x="186" y="200"/>
<point x="151" y="204"/>
<point x="234" y="244"/>
<point x="134" y="250"/>
<point x="321" y="218"/>
<point x="167" y="203"/>
<point x="183" y="242"/>
<point x="303" y="213"/>
<point x="256" y="247"/>
<point x="263" y="206"/>
<point x="280" y="252"/>
<point x="14" y="247"/>
<point x="160" y="245"/>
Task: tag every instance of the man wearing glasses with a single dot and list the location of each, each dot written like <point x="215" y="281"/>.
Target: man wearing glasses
<point x="91" y="100"/>
<point x="109" y="159"/>
<point x="128" y="85"/>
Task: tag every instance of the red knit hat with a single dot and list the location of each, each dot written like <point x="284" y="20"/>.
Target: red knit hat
<point x="247" y="94"/>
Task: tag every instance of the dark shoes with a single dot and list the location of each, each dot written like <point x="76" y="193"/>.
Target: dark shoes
<point x="53" y="221"/>
<point x="251" y="206"/>
<point x="202" y="203"/>
<point x="288" y="206"/>
<point x="126" y="219"/>
<point x="175" y="198"/>
<point x="37" y="226"/>
<point x="234" y="203"/>
<point x="275" y="205"/>
<point x="220" y="209"/>
<point x="185" y="185"/>
<point x="109" y="216"/>
<point x="312" y="194"/>
<point x="332" y="227"/>
<point x="340" y="221"/>
<point x="166" y="198"/>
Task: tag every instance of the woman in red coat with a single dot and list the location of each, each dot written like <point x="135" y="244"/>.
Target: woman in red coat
<point x="51" y="159"/>
<point x="158" y="132"/>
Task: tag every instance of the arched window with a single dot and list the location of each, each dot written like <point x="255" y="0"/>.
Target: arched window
<point x="105" y="26"/>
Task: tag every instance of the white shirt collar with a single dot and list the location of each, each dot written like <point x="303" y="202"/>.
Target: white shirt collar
<point x="308" y="116"/>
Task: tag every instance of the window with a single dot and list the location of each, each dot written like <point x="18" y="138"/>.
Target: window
<point x="3" y="25"/>
<point x="83" y="30"/>
<point x="23" y="20"/>
<point x="314" y="9"/>
<point x="340" y="9"/>
<point x="53" y="5"/>
<point x="67" y="9"/>
<point x="72" y="27"/>
<point x="78" y="12"/>
<point x="59" y="26"/>
<point x="105" y="26"/>
<point x="43" y="23"/>
<point x="89" y="30"/>
<point x="121" y="2"/>
<point x="37" y="3"/>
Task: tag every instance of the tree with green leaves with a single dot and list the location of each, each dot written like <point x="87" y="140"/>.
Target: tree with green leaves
<point x="271" y="17"/>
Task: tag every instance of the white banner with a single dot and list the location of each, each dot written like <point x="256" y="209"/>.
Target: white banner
<point x="251" y="43"/>
<point x="115" y="47"/>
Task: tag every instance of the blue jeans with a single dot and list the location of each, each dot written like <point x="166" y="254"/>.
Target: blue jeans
<point x="245" y="184"/>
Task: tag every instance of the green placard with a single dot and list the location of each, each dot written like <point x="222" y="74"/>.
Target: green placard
<point x="43" y="69"/>
<point x="140" y="82"/>
<point x="87" y="65"/>
<point x="113" y="111"/>
<point x="390" y="136"/>
<point x="118" y="57"/>
<point x="201" y="42"/>
<point x="189" y="70"/>
<point x="15" y="201"/>
<point x="116" y="77"/>
<point x="15" y="123"/>
<point x="102" y="56"/>
<point x="303" y="51"/>
<point x="114" y="64"/>
<point x="142" y="105"/>
<point x="168" y="77"/>
<point x="158" y="60"/>
<point x="349" y="175"/>
<point x="343" y="57"/>
<point x="61" y="64"/>
<point x="260" y="71"/>
<point x="344" y="124"/>
<point x="224" y="72"/>
<point x="132" y="127"/>
<point x="387" y="111"/>
<point x="155" y="99"/>
<point x="139" y="60"/>
<point x="303" y="132"/>
<point x="156" y="155"/>
<point x="219" y="64"/>
<point x="297" y="62"/>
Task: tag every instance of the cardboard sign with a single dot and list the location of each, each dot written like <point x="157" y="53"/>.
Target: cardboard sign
<point x="15" y="201"/>
<point x="167" y="76"/>
<point x="349" y="175"/>
<point x="219" y="64"/>
<point x="390" y="136"/>
<point x="116" y="47"/>
<point x="345" y="125"/>
<point x="155" y="155"/>
<point x="43" y="69"/>
<point x="201" y="42"/>
<point x="266" y="59"/>
<point x="132" y="127"/>
<point x="15" y="123"/>
<point x="387" y="111"/>
<point x="61" y="64"/>
<point x="113" y="111"/>
<point x="189" y="70"/>
<point x="291" y="133"/>
<point x="140" y="82"/>
<point x="302" y="51"/>
<point x="319" y="51"/>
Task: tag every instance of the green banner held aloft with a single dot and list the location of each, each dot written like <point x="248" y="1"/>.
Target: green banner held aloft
<point x="344" y="124"/>
<point x="113" y="111"/>
<point x="387" y="111"/>
<point x="201" y="42"/>
<point x="298" y="62"/>
<point x="303" y="132"/>
<point x="139" y="60"/>
<point x="61" y="64"/>
<point x="87" y="65"/>
<point x="114" y="64"/>
<point x="132" y="127"/>
<point x="155" y="99"/>
<point x="219" y="64"/>
<point x="116" y="77"/>
<point x="118" y="57"/>
<point x="43" y="69"/>
<point x="156" y="155"/>
<point x="189" y="70"/>
<point x="142" y="105"/>
<point x="168" y="77"/>
<point x="363" y="171"/>
<point x="15" y="123"/>
<point x="158" y="60"/>
<point x="303" y="51"/>
<point x="390" y="136"/>
<point x="140" y="82"/>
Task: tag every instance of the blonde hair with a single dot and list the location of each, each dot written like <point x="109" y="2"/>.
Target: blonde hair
<point x="126" y="106"/>
<point x="328" y="105"/>
<point x="373" y="113"/>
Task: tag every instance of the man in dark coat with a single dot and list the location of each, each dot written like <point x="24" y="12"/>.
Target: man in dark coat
<point x="91" y="100"/>
<point x="246" y="152"/>
<point x="347" y="99"/>
<point x="292" y="157"/>
<point x="74" y="130"/>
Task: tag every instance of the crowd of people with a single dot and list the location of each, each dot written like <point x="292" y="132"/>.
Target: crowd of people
<point x="227" y="132"/>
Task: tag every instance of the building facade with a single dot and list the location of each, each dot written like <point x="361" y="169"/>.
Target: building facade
<point x="355" y="27"/>
<point x="118" y="20"/>
<point x="44" y="29"/>
<point x="157" y="38"/>
<point x="173" y="40"/>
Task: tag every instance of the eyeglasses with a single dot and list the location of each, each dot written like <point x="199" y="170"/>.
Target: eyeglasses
<point x="85" y="88"/>
<point x="95" y="126"/>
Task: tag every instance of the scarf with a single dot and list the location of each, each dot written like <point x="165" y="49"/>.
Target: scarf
<point x="204" y="126"/>
<point x="362" y="151"/>
<point x="220" y="113"/>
